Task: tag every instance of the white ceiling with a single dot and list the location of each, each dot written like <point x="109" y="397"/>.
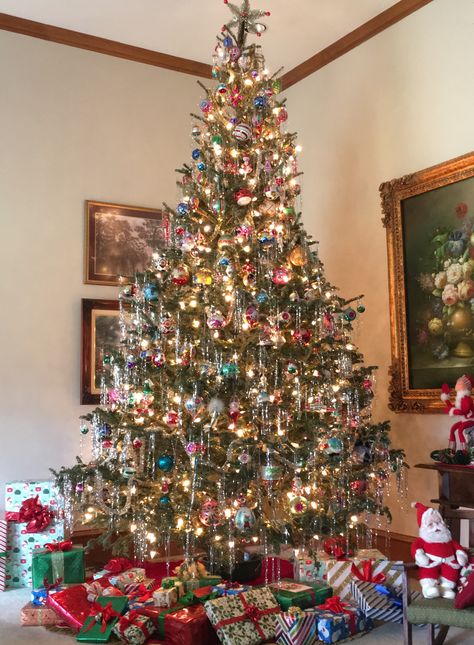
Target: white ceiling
<point x="297" y="29"/>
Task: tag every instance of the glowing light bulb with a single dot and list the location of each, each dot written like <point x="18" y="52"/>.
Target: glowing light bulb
<point x="354" y="519"/>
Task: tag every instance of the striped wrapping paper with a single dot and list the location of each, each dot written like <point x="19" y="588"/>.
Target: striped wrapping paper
<point x="3" y="553"/>
<point x="375" y="605"/>
<point x="340" y="576"/>
<point x="296" y="629"/>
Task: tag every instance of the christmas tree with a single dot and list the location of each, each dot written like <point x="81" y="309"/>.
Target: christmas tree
<point x="237" y="411"/>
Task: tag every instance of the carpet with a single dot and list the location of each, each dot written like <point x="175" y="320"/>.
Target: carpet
<point x="11" y="633"/>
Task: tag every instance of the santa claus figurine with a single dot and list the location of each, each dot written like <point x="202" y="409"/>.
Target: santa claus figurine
<point x="462" y="407"/>
<point x="438" y="556"/>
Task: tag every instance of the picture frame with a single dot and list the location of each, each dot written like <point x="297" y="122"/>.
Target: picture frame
<point x="119" y="240"/>
<point x="429" y="221"/>
<point x="99" y="323"/>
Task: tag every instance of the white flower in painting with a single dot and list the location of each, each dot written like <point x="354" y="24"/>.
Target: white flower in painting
<point x="440" y="280"/>
<point x="454" y="273"/>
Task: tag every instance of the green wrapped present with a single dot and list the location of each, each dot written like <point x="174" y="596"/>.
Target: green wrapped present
<point x="105" y="612"/>
<point x="191" y="584"/>
<point x="58" y="560"/>
<point x="294" y="594"/>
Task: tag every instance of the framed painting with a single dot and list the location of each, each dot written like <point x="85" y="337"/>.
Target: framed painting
<point x="429" y="217"/>
<point x="120" y="240"/>
<point x="100" y="335"/>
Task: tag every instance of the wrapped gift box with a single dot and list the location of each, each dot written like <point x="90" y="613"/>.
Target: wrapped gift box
<point x="247" y="618"/>
<point x="71" y="605"/>
<point x="131" y="576"/>
<point x="20" y="543"/>
<point x="100" y="622"/>
<point x="114" y="567"/>
<point x="33" y="615"/>
<point x="134" y="628"/>
<point x="3" y="554"/>
<point x="340" y="574"/>
<point x="20" y="548"/>
<point x="193" y="583"/>
<point x="229" y="588"/>
<point x="378" y="602"/>
<point x="337" y="620"/>
<point x="181" y="625"/>
<point x="296" y="627"/>
<point x="165" y="597"/>
<point x="55" y="563"/>
<point x="296" y="594"/>
<point x="308" y="569"/>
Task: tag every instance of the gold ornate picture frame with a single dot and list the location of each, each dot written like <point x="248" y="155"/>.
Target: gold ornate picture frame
<point x="429" y="218"/>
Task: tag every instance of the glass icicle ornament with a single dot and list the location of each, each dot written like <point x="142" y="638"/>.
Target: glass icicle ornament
<point x="234" y="371"/>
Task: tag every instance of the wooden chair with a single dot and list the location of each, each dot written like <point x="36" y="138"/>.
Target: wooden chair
<point x="430" y="612"/>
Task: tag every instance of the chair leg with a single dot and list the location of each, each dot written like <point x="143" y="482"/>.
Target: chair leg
<point x="443" y="632"/>
<point x="430" y="634"/>
<point x="407" y="633"/>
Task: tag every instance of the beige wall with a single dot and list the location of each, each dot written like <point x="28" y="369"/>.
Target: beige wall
<point x="401" y="102"/>
<point x="74" y="125"/>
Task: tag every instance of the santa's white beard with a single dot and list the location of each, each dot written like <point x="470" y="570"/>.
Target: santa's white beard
<point x="439" y="533"/>
<point x="459" y="397"/>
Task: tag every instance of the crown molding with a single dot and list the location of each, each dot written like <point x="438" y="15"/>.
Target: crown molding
<point x="379" y="23"/>
<point x="103" y="45"/>
<point x="353" y="39"/>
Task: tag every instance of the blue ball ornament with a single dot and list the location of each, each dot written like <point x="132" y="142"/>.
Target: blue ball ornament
<point x="224" y="262"/>
<point x="104" y="431"/>
<point x="229" y="370"/>
<point x="334" y="446"/>
<point x="165" y="500"/>
<point x="165" y="462"/>
<point x="262" y="297"/>
<point x="201" y="166"/>
<point x="196" y="153"/>
<point x="260" y="101"/>
<point x="228" y="42"/>
<point x="150" y="291"/>
<point x="182" y="208"/>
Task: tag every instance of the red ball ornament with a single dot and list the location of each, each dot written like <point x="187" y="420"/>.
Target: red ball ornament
<point x="243" y="197"/>
<point x="171" y="418"/>
<point x="209" y="513"/>
<point x="180" y="275"/>
<point x="251" y="315"/>
<point x="359" y="486"/>
<point x="367" y="384"/>
<point x="137" y="443"/>
<point x="302" y="335"/>
<point x="281" y="275"/>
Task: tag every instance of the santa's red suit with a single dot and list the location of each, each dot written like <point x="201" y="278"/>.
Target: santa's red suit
<point x="437" y="555"/>
<point x="463" y="407"/>
<point x="442" y="556"/>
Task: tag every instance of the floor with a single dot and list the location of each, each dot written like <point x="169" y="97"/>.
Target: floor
<point x="11" y="633"/>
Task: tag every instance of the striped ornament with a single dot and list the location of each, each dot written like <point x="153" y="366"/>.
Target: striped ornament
<point x="3" y="553"/>
<point x="291" y="629"/>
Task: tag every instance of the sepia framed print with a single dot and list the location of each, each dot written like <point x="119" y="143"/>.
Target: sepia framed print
<point x="120" y="240"/>
<point x="429" y="218"/>
<point x="100" y="335"/>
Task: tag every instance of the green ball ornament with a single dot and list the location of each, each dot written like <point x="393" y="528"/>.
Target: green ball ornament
<point x="216" y="140"/>
<point x="106" y="359"/>
<point x="361" y="309"/>
<point x="128" y="472"/>
<point x="165" y="463"/>
<point x="229" y="370"/>
<point x="84" y="430"/>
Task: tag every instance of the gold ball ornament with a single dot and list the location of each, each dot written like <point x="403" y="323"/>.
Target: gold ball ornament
<point x="297" y="256"/>
<point x="204" y="276"/>
<point x="298" y="505"/>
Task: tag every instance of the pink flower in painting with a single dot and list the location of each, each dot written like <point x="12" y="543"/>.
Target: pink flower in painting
<point x="450" y="295"/>
<point x="461" y="210"/>
<point x="466" y="289"/>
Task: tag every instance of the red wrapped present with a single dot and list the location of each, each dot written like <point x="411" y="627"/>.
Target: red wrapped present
<point x="181" y="625"/>
<point x="134" y="628"/>
<point x="71" y="605"/>
<point x="32" y="615"/>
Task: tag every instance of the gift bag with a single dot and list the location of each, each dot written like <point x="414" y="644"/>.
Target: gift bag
<point x="296" y="627"/>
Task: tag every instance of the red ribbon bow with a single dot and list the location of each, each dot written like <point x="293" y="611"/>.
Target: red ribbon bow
<point x="336" y="547"/>
<point x="141" y="594"/>
<point x="335" y="605"/>
<point x="101" y="615"/>
<point x="365" y="573"/>
<point x="48" y="586"/>
<point x="65" y="545"/>
<point x="37" y="516"/>
<point x="117" y="565"/>
<point x="129" y="619"/>
<point x="253" y="613"/>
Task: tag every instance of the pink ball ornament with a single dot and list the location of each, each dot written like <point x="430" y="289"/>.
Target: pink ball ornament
<point x="234" y="410"/>
<point x="215" y="319"/>
<point x="281" y="275"/>
<point x="158" y="359"/>
<point x="251" y="315"/>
